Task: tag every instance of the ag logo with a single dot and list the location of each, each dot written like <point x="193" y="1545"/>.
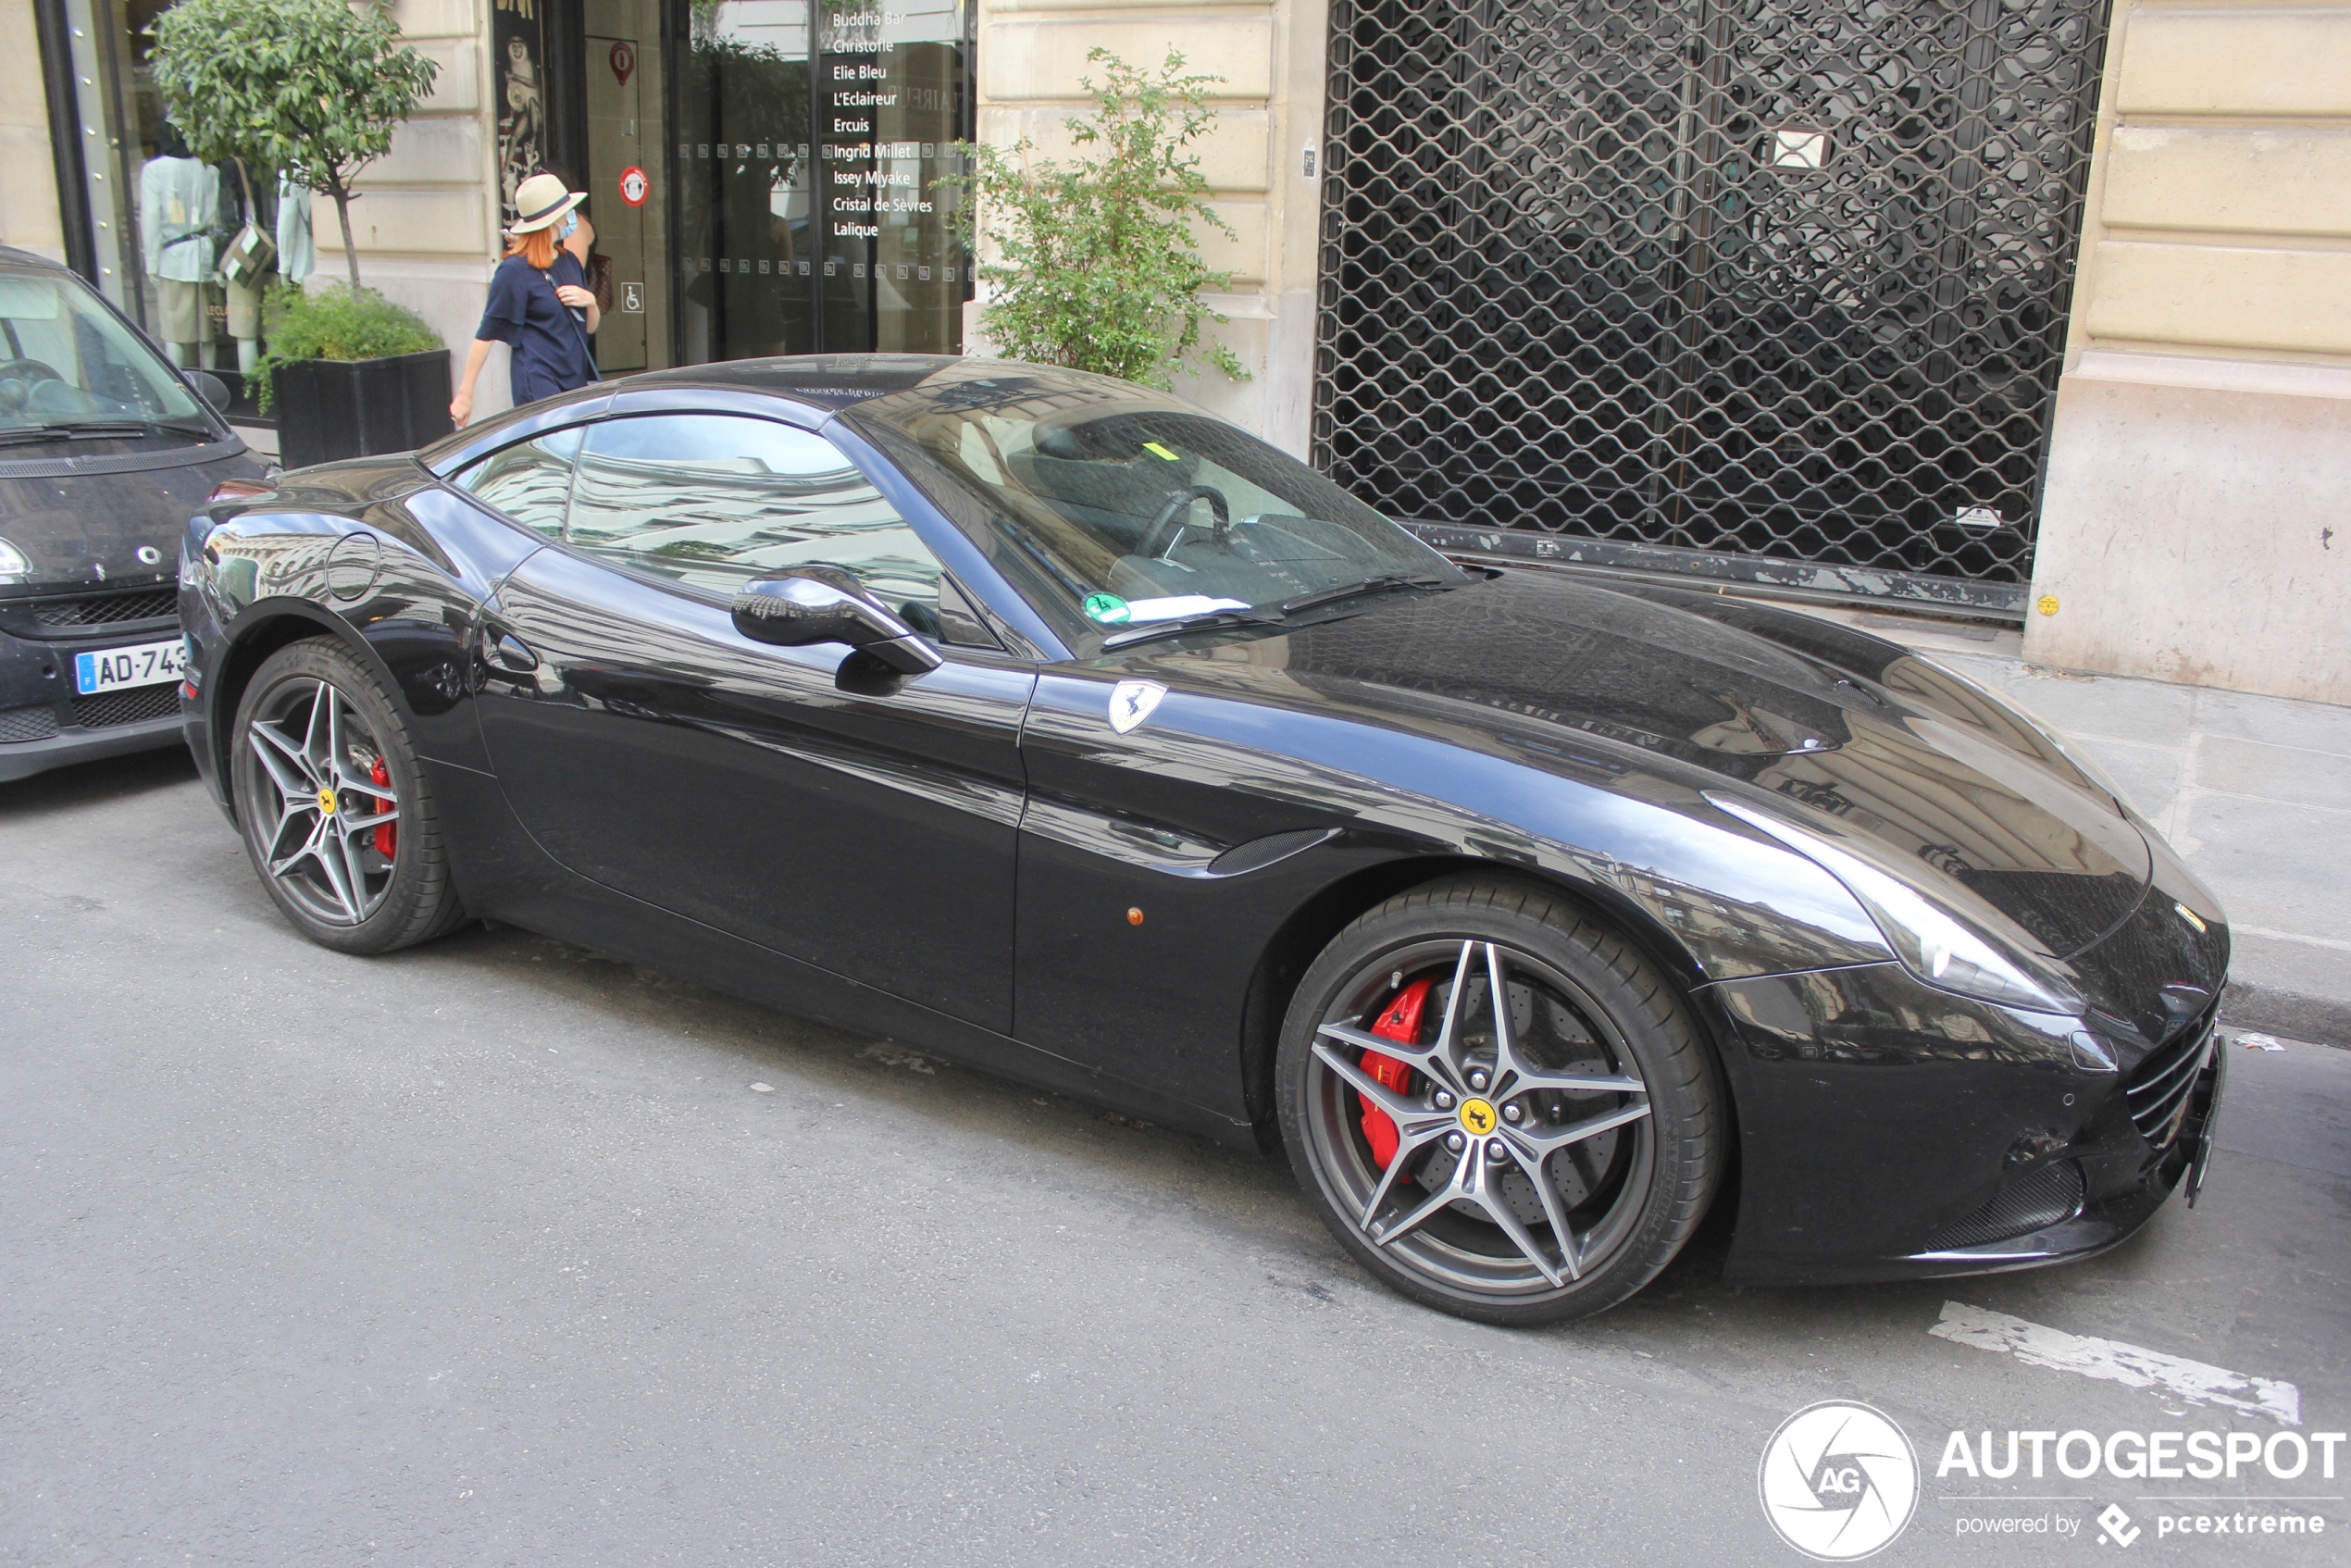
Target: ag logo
<point x="1131" y="701"/>
<point x="1838" y="1481"/>
<point x="1478" y="1115"/>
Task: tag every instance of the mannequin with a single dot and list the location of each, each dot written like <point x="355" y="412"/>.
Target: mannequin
<point x="178" y="199"/>
<point x="257" y="206"/>
<point x="297" y="251"/>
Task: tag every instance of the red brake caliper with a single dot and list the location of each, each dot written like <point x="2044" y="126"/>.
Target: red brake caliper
<point x="387" y="835"/>
<point x="1401" y="1021"/>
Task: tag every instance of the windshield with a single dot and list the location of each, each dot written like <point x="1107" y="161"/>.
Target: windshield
<point x="1135" y="508"/>
<point x="67" y="360"/>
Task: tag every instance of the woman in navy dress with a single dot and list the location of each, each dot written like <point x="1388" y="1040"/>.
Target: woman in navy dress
<point x="540" y="305"/>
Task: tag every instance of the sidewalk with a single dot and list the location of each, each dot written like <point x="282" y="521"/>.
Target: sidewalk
<point x="2255" y="792"/>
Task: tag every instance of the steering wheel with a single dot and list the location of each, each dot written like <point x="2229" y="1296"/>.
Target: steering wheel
<point x="25" y="373"/>
<point x="1163" y="527"/>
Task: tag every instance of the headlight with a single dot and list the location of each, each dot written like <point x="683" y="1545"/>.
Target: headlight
<point x="1946" y="935"/>
<point x="14" y="567"/>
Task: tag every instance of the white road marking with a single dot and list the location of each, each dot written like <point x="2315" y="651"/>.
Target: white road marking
<point x="2111" y="1361"/>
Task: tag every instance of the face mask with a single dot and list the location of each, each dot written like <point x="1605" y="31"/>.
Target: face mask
<point x="571" y="224"/>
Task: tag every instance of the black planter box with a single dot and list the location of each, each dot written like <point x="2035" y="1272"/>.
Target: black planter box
<point x="333" y="408"/>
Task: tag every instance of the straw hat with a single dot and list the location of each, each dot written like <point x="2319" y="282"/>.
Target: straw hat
<point x="541" y="200"/>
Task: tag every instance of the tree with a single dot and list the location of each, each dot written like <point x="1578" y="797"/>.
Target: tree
<point x="312" y="87"/>
<point x="1095" y="266"/>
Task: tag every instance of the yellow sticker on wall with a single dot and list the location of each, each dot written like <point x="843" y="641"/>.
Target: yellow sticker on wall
<point x="2048" y="604"/>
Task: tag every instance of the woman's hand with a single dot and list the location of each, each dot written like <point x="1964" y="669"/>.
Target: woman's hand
<point x="575" y="296"/>
<point x="461" y="408"/>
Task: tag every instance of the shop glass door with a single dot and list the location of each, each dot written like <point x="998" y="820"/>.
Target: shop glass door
<point x="808" y="150"/>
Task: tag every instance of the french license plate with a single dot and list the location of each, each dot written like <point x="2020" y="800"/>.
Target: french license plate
<point x="112" y="669"/>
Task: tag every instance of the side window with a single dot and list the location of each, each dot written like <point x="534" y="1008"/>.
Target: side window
<point x="529" y="482"/>
<point x="712" y="500"/>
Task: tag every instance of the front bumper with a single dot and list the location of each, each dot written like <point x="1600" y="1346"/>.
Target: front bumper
<point x="43" y="724"/>
<point x="2180" y="1143"/>
<point x="1890" y="1131"/>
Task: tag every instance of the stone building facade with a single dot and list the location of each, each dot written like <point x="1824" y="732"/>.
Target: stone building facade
<point x="2115" y="268"/>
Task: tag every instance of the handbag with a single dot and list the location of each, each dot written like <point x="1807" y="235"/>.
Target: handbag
<point x="599" y="280"/>
<point x="250" y="253"/>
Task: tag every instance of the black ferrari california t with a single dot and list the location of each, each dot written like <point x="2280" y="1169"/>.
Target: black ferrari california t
<point x="1051" y="725"/>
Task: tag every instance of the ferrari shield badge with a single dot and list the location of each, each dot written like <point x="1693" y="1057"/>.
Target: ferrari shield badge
<point x="1131" y="701"/>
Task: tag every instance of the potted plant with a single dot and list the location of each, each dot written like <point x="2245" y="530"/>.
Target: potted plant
<point x="1095" y="264"/>
<point x="349" y="374"/>
<point x="314" y="88"/>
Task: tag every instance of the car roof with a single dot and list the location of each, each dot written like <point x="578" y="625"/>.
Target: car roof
<point x="819" y="381"/>
<point x="828" y="381"/>
<point x="15" y="260"/>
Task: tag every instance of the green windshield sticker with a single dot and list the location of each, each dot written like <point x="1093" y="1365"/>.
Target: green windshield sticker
<point x="1107" y="608"/>
<point x="1156" y="450"/>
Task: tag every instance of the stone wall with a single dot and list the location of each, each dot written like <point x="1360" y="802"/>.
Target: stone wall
<point x="27" y="169"/>
<point x="426" y="223"/>
<point x="1032" y="58"/>
<point x="2197" y="520"/>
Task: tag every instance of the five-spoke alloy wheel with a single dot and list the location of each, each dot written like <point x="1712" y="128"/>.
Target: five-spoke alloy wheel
<point x="1499" y="1104"/>
<point x="333" y="807"/>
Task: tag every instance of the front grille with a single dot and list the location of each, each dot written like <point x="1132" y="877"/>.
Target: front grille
<point x="2049" y="1196"/>
<point x="105" y="609"/>
<point x="126" y="707"/>
<point x="27" y="724"/>
<point x="2159" y="1087"/>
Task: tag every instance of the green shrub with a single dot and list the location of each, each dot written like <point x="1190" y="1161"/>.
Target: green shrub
<point x="1095" y="266"/>
<point x="334" y="322"/>
<point x="312" y="87"/>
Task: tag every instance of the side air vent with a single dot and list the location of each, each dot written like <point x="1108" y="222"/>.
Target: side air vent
<point x="2049" y="1196"/>
<point x="1259" y="854"/>
<point x="28" y="724"/>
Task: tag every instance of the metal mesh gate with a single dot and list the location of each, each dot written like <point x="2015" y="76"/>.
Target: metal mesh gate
<point x="1782" y="278"/>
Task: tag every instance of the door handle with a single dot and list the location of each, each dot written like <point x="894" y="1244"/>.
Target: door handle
<point x="505" y="655"/>
<point x="510" y="652"/>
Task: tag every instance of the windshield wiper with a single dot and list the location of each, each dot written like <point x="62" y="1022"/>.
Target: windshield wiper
<point x="78" y="430"/>
<point x="1270" y="615"/>
<point x="1205" y="620"/>
<point x="1350" y="590"/>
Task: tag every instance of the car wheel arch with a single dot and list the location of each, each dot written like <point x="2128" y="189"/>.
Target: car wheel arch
<point x="266" y="627"/>
<point x="1309" y="928"/>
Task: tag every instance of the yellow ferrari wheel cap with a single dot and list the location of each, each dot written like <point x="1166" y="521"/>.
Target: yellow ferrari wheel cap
<point x="327" y="801"/>
<point x="1477" y="1116"/>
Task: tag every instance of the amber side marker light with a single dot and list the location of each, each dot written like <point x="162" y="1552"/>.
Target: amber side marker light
<point x="238" y="489"/>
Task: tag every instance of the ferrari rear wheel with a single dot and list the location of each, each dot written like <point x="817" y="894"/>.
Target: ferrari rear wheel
<point x="335" y="810"/>
<point x="1497" y="1105"/>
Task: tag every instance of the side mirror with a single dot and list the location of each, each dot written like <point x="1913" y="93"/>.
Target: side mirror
<point x="214" y="390"/>
<point x="813" y="604"/>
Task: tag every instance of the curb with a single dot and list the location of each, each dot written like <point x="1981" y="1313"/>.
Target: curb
<point x="2323" y="1020"/>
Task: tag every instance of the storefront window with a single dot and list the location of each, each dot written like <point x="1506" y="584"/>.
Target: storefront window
<point x="808" y="151"/>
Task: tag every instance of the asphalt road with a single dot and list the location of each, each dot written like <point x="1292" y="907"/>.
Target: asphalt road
<point x="489" y="1253"/>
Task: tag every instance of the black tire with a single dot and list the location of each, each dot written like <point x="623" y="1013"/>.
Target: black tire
<point x="402" y="899"/>
<point x="1586" y="1010"/>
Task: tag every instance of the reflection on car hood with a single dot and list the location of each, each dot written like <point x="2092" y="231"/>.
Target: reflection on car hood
<point x="1531" y="658"/>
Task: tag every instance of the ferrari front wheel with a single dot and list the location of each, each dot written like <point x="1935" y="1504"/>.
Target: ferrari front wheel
<point x="335" y="810"/>
<point x="1499" y="1106"/>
